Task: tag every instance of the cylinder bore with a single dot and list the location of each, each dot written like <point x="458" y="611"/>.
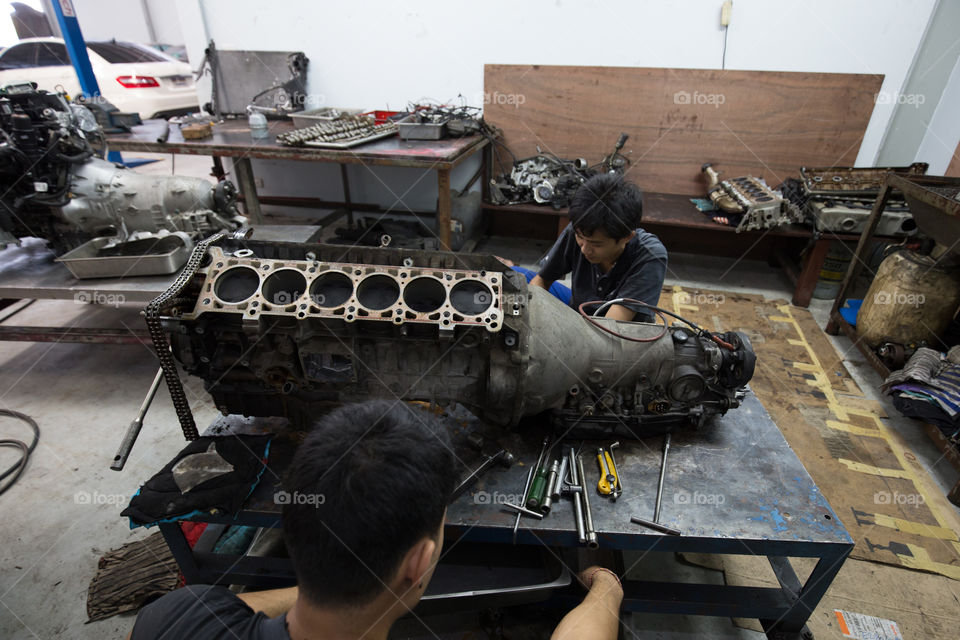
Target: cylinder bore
<point x="284" y="286"/>
<point x="424" y="295"/>
<point x="471" y="297"/>
<point x="378" y="292"/>
<point x="237" y="284"/>
<point x="331" y="289"/>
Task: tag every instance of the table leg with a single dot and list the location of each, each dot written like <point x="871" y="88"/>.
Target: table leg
<point x="181" y="551"/>
<point x="248" y="187"/>
<point x="443" y="208"/>
<point x="807" y="280"/>
<point x="809" y="596"/>
<point x="346" y="194"/>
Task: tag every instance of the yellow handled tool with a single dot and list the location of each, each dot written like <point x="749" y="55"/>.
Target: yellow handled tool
<point x="609" y="483"/>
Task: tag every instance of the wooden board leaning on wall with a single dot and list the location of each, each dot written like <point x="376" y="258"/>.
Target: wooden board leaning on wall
<point x="763" y="123"/>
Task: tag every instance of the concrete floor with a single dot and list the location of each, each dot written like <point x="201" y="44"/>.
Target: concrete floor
<point x="64" y="512"/>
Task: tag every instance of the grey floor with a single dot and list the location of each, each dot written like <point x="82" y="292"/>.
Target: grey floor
<point x="64" y="512"/>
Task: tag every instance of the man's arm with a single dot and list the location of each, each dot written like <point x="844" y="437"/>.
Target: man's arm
<point x="271" y="602"/>
<point x="620" y="312"/>
<point x="598" y="616"/>
<point x="539" y="281"/>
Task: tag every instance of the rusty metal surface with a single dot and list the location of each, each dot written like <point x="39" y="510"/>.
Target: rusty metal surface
<point x="934" y="205"/>
<point x="82" y="335"/>
<point x="232" y="138"/>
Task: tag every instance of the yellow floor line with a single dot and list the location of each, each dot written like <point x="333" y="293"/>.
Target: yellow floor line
<point x="916" y="528"/>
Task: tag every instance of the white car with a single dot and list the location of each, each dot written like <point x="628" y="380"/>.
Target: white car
<point x="133" y="77"/>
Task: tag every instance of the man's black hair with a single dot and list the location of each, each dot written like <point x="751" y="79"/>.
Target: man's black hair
<point x="607" y="201"/>
<point x="368" y="482"/>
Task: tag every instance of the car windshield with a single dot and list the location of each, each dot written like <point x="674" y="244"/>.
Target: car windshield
<point x="121" y="52"/>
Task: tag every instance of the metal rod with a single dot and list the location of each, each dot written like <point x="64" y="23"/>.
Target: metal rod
<point x="134" y="429"/>
<point x="663" y="469"/>
<point x="523" y="510"/>
<point x="589" y="533"/>
<point x="577" y="497"/>
<point x="526" y="487"/>
<point x="553" y="479"/>
<point x="656" y="526"/>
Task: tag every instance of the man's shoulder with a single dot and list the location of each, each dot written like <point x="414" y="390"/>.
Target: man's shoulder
<point x="649" y="245"/>
<point x="197" y="611"/>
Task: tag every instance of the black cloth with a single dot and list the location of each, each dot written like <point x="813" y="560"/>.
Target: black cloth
<point x="638" y="272"/>
<point x="160" y="498"/>
<point x="202" y="612"/>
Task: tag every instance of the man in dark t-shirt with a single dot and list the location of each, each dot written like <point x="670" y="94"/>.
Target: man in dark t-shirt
<point x="364" y="505"/>
<point x="607" y="256"/>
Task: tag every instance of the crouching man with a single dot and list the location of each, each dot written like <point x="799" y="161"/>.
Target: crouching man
<point x="365" y="553"/>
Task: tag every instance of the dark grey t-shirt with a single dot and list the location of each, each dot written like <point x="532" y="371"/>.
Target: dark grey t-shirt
<point x="200" y="612"/>
<point x="637" y="274"/>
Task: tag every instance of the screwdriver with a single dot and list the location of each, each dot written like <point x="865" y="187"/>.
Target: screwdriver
<point x="538" y="488"/>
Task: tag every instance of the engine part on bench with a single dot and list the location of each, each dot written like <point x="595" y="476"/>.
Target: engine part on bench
<point x="55" y="188"/>
<point x="853" y="182"/>
<point x="547" y="179"/>
<point x="851" y="217"/>
<point x="760" y="206"/>
<point x="294" y="329"/>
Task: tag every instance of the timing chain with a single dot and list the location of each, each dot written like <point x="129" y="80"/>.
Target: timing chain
<point x="161" y="345"/>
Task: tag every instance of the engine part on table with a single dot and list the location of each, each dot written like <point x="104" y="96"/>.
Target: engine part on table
<point x="760" y="206"/>
<point x="422" y="126"/>
<point x="934" y="202"/>
<point x="311" y="117"/>
<point x="293" y="329"/>
<point x="271" y="82"/>
<point x="547" y="179"/>
<point x="338" y="134"/>
<point x="853" y="182"/>
<point x="109" y="117"/>
<point x="912" y="299"/>
<point x="851" y="217"/>
<point x="54" y="187"/>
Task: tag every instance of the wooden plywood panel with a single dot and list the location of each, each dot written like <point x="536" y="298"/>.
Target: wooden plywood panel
<point x="953" y="170"/>
<point x="759" y="122"/>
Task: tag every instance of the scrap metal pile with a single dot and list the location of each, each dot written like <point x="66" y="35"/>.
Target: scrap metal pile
<point x="291" y="329"/>
<point x="54" y="187"/>
<point x="547" y="179"/>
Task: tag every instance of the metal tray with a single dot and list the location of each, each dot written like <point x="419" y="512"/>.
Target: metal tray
<point x="412" y="129"/>
<point x="85" y="261"/>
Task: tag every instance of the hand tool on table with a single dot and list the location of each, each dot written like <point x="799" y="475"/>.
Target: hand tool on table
<point x="552" y="493"/>
<point x="522" y="510"/>
<point x="589" y="532"/>
<point x="134" y="429"/>
<point x="523" y="499"/>
<point x="609" y="483"/>
<point x="655" y="524"/>
<point x="538" y="487"/>
<point x="502" y="457"/>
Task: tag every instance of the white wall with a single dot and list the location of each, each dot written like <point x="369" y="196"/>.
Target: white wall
<point x="380" y="53"/>
<point x="943" y="130"/>
<point x="124" y="20"/>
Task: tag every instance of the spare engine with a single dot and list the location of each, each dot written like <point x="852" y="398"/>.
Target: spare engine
<point x="292" y="329"/>
<point x="54" y="187"/>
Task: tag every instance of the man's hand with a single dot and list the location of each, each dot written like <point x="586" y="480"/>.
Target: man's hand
<point x="598" y="616"/>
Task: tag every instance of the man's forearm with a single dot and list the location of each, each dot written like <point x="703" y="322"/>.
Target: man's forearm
<point x="272" y="602"/>
<point x="538" y="281"/>
<point x="597" y="617"/>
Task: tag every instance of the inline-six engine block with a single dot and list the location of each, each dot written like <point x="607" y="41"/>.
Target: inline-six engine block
<point x="291" y="329"/>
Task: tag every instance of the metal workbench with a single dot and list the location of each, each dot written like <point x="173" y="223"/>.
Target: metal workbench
<point x="735" y="487"/>
<point x="29" y="272"/>
<point x="231" y="139"/>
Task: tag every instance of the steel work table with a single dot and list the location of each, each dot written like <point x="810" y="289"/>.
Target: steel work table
<point x="231" y="139"/>
<point x="29" y="272"/>
<point x="735" y="487"/>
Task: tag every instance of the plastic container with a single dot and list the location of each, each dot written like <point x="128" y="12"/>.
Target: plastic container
<point x="258" y="125"/>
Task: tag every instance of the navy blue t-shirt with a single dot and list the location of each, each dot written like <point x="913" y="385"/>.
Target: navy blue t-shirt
<point x="202" y="612"/>
<point x="638" y="273"/>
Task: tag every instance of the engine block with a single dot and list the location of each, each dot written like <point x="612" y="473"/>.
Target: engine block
<point x="292" y="329"/>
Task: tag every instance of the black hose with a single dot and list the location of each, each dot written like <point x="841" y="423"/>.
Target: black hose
<point x="25" y="450"/>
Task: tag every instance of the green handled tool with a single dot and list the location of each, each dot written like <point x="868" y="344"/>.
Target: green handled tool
<point x="538" y="488"/>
